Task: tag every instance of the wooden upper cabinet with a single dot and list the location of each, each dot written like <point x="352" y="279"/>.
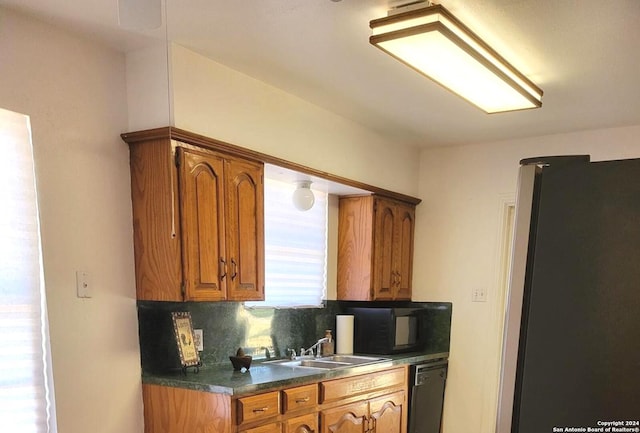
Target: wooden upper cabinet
<point x="384" y="249"/>
<point x="198" y="222"/>
<point x="156" y="221"/>
<point x="245" y="234"/>
<point x="202" y="212"/>
<point x="375" y="248"/>
<point x="406" y="221"/>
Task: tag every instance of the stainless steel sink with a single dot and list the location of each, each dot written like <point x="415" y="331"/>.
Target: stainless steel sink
<point x="328" y="362"/>
<point x="354" y="359"/>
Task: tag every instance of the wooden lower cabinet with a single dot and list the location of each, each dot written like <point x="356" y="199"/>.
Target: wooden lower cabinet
<point x="365" y="403"/>
<point x="384" y="414"/>
<point x="302" y="424"/>
<point x="270" y="428"/>
<point x="258" y="407"/>
<point x="388" y="412"/>
<point x="178" y="410"/>
<point x="351" y="418"/>
<point x="300" y="398"/>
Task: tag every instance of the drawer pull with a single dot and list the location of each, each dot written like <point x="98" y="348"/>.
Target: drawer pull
<point x="235" y="269"/>
<point x="302" y="400"/>
<point x="222" y="268"/>
<point x="260" y="410"/>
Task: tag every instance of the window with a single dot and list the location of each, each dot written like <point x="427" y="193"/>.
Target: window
<point x="295" y="249"/>
<point x="26" y="394"/>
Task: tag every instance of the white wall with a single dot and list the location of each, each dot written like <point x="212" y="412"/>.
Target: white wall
<point x="74" y="91"/>
<point x="457" y="248"/>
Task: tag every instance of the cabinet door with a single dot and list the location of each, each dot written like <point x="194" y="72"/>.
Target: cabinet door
<point x="403" y="254"/>
<point x="387" y="413"/>
<point x="302" y="424"/>
<point x="350" y="418"/>
<point x="383" y="251"/>
<point x="202" y="211"/>
<point x="245" y="230"/>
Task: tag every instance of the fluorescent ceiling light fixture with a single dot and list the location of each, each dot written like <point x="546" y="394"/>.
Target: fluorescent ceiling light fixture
<point x="437" y="45"/>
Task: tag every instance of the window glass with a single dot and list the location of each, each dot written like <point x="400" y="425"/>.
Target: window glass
<point x="295" y="248"/>
<point x="26" y="394"/>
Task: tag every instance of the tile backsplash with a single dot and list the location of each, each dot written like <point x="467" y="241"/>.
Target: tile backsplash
<point x="261" y="332"/>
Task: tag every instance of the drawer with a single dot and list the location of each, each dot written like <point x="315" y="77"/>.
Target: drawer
<point x="301" y="397"/>
<point x="340" y="389"/>
<point x="269" y="428"/>
<point x="257" y="407"/>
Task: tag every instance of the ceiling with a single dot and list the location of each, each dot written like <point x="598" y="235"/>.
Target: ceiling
<point x="584" y="54"/>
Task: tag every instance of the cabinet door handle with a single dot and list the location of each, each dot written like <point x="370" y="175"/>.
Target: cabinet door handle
<point x="261" y="409"/>
<point x="223" y="268"/>
<point x="302" y="400"/>
<point x="370" y="425"/>
<point x="235" y="269"/>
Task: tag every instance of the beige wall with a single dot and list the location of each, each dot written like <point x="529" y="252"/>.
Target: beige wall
<point x="213" y="100"/>
<point x="74" y="92"/>
<point x="218" y="102"/>
<point x="458" y="239"/>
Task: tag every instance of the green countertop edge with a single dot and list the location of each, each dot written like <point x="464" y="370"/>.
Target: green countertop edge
<point x="221" y="378"/>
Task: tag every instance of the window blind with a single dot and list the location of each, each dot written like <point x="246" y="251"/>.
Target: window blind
<point x="26" y="394"/>
<point x="295" y="248"/>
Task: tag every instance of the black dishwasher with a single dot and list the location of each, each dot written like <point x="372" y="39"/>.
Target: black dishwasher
<point x="427" y="396"/>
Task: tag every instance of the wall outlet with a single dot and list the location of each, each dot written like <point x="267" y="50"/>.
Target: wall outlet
<point x="479" y="295"/>
<point x="197" y="337"/>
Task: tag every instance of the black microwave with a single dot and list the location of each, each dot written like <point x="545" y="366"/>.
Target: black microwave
<point x="388" y="330"/>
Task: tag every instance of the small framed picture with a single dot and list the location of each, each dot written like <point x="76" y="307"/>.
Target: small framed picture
<point x="183" y="327"/>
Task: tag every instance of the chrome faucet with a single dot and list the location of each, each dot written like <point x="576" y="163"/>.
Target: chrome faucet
<point x="309" y="351"/>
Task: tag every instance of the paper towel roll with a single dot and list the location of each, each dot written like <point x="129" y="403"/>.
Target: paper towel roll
<point x="344" y="334"/>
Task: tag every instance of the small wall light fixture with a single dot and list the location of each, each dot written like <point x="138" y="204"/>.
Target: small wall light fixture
<point x="429" y="39"/>
<point x="303" y="197"/>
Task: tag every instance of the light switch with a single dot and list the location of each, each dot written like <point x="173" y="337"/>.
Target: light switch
<point x="83" y="284"/>
<point x="479" y="295"/>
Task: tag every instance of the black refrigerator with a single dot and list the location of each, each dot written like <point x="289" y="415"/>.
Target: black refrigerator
<point x="571" y="346"/>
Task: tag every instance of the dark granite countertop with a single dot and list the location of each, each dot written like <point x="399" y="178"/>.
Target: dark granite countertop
<point x="263" y="376"/>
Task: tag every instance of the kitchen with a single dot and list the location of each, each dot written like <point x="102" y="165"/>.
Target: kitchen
<point x="75" y="91"/>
